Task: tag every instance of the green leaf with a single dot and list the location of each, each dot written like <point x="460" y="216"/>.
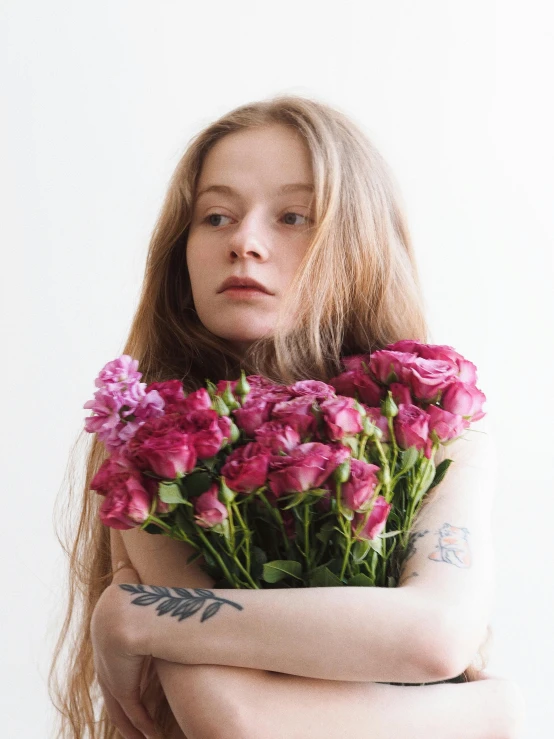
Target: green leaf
<point x="296" y="500"/>
<point x="441" y="472"/>
<point x="170" y="492"/>
<point x="360" y="550"/>
<point x="376" y="544"/>
<point x="322" y="577"/>
<point x="408" y="459"/>
<point x="361" y="580"/>
<point x="280" y="568"/>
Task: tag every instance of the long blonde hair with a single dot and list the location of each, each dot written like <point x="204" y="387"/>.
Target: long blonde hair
<point x="356" y="290"/>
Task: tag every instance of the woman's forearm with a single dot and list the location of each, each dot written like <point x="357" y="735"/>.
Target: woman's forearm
<point x="214" y="702"/>
<point x="365" y="634"/>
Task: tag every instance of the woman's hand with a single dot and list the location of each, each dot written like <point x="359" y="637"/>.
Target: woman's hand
<point x="114" y="629"/>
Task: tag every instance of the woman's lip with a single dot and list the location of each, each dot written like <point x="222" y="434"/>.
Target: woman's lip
<point x="243" y="292"/>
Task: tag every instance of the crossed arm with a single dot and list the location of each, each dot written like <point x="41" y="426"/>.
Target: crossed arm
<point x="233" y="659"/>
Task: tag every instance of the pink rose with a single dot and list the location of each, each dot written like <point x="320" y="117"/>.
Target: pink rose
<point x="277" y="436"/>
<point x="112" y="466"/>
<point x="126" y="504"/>
<point x="246" y="467"/>
<point x="258" y="408"/>
<point x="207" y="431"/>
<point x="307" y="466"/>
<point x="297" y="413"/>
<point x="446" y="425"/>
<point x="357" y="383"/>
<point x="315" y="388"/>
<point x="400" y="393"/>
<point x="389" y="366"/>
<point x="170" y="390"/>
<point x="356" y="362"/>
<point x="358" y="490"/>
<point x="466" y="370"/>
<point x="427" y="377"/>
<point x="376" y="521"/>
<point x="163" y="448"/>
<point x="464" y="399"/>
<point x="411" y="427"/>
<point x="198" y="400"/>
<point x="341" y="417"/>
<point x="208" y="509"/>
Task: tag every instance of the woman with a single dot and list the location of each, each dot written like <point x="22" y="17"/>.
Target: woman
<point x="289" y="193"/>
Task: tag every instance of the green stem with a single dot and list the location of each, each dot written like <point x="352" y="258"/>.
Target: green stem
<point x="217" y="557"/>
<point x="307" y="536"/>
<point x="394" y="444"/>
<point x="276" y="514"/>
<point x="158" y="522"/>
<point x="246" y="532"/>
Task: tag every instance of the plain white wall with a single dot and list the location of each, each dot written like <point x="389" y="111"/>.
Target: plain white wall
<point x="100" y="100"/>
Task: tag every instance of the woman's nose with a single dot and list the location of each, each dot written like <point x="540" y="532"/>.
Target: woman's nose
<point x="249" y="240"/>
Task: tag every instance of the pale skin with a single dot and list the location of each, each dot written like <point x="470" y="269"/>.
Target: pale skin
<point x="254" y="668"/>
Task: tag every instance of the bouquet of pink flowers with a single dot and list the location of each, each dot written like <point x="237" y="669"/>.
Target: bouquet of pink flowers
<point x="310" y="484"/>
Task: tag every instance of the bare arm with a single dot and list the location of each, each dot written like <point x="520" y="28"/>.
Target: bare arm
<point x="206" y="698"/>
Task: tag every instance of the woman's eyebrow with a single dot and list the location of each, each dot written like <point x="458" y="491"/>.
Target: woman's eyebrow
<point x="226" y="190"/>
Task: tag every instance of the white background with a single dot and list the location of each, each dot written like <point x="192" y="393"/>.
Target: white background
<point x="99" y="102"/>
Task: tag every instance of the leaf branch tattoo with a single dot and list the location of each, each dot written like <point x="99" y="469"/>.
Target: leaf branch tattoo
<point x="183" y="605"/>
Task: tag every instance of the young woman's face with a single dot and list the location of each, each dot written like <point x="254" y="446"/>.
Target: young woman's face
<point x="252" y="218"/>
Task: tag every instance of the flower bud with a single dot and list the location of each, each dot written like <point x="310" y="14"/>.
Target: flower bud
<point x="226" y="495"/>
<point x="219" y="405"/>
<point x="242" y="388"/>
<point x="211" y="388"/>
<point x="342" y="472"/>
<point x="235" y="433"/>
<point x="229" y="399"/>
<point x="389" y="407"/>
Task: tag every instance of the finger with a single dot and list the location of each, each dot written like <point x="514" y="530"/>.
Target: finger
<point x="119" y="718"/>
<point x="139" y="717"/>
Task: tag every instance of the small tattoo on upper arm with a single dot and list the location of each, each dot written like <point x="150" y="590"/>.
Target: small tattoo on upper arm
<point x="453" y="546"/>
<point x="182" y="605"/>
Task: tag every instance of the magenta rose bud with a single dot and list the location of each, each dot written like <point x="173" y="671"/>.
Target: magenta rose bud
<point x="464" y="399"/>
<point x="376" y="522"/>
<point x="411" y="427"/>
<point x="357" y="491"/>
<point x="341" y="418"/>
<point x="127" y="503"/>
<point x="209" y="510"/>
<point x="161" y="447"/>
<point x="246" y="468"/>
<point x="446" y="425"/>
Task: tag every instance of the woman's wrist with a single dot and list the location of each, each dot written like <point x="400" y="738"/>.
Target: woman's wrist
<point x="134" y="622"/>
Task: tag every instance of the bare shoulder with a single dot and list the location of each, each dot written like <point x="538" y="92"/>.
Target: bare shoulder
<point x="160" y="560"/>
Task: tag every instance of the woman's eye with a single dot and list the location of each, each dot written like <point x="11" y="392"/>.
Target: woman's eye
<point x="213" y="217"/>
<point x="290" y="221"/>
